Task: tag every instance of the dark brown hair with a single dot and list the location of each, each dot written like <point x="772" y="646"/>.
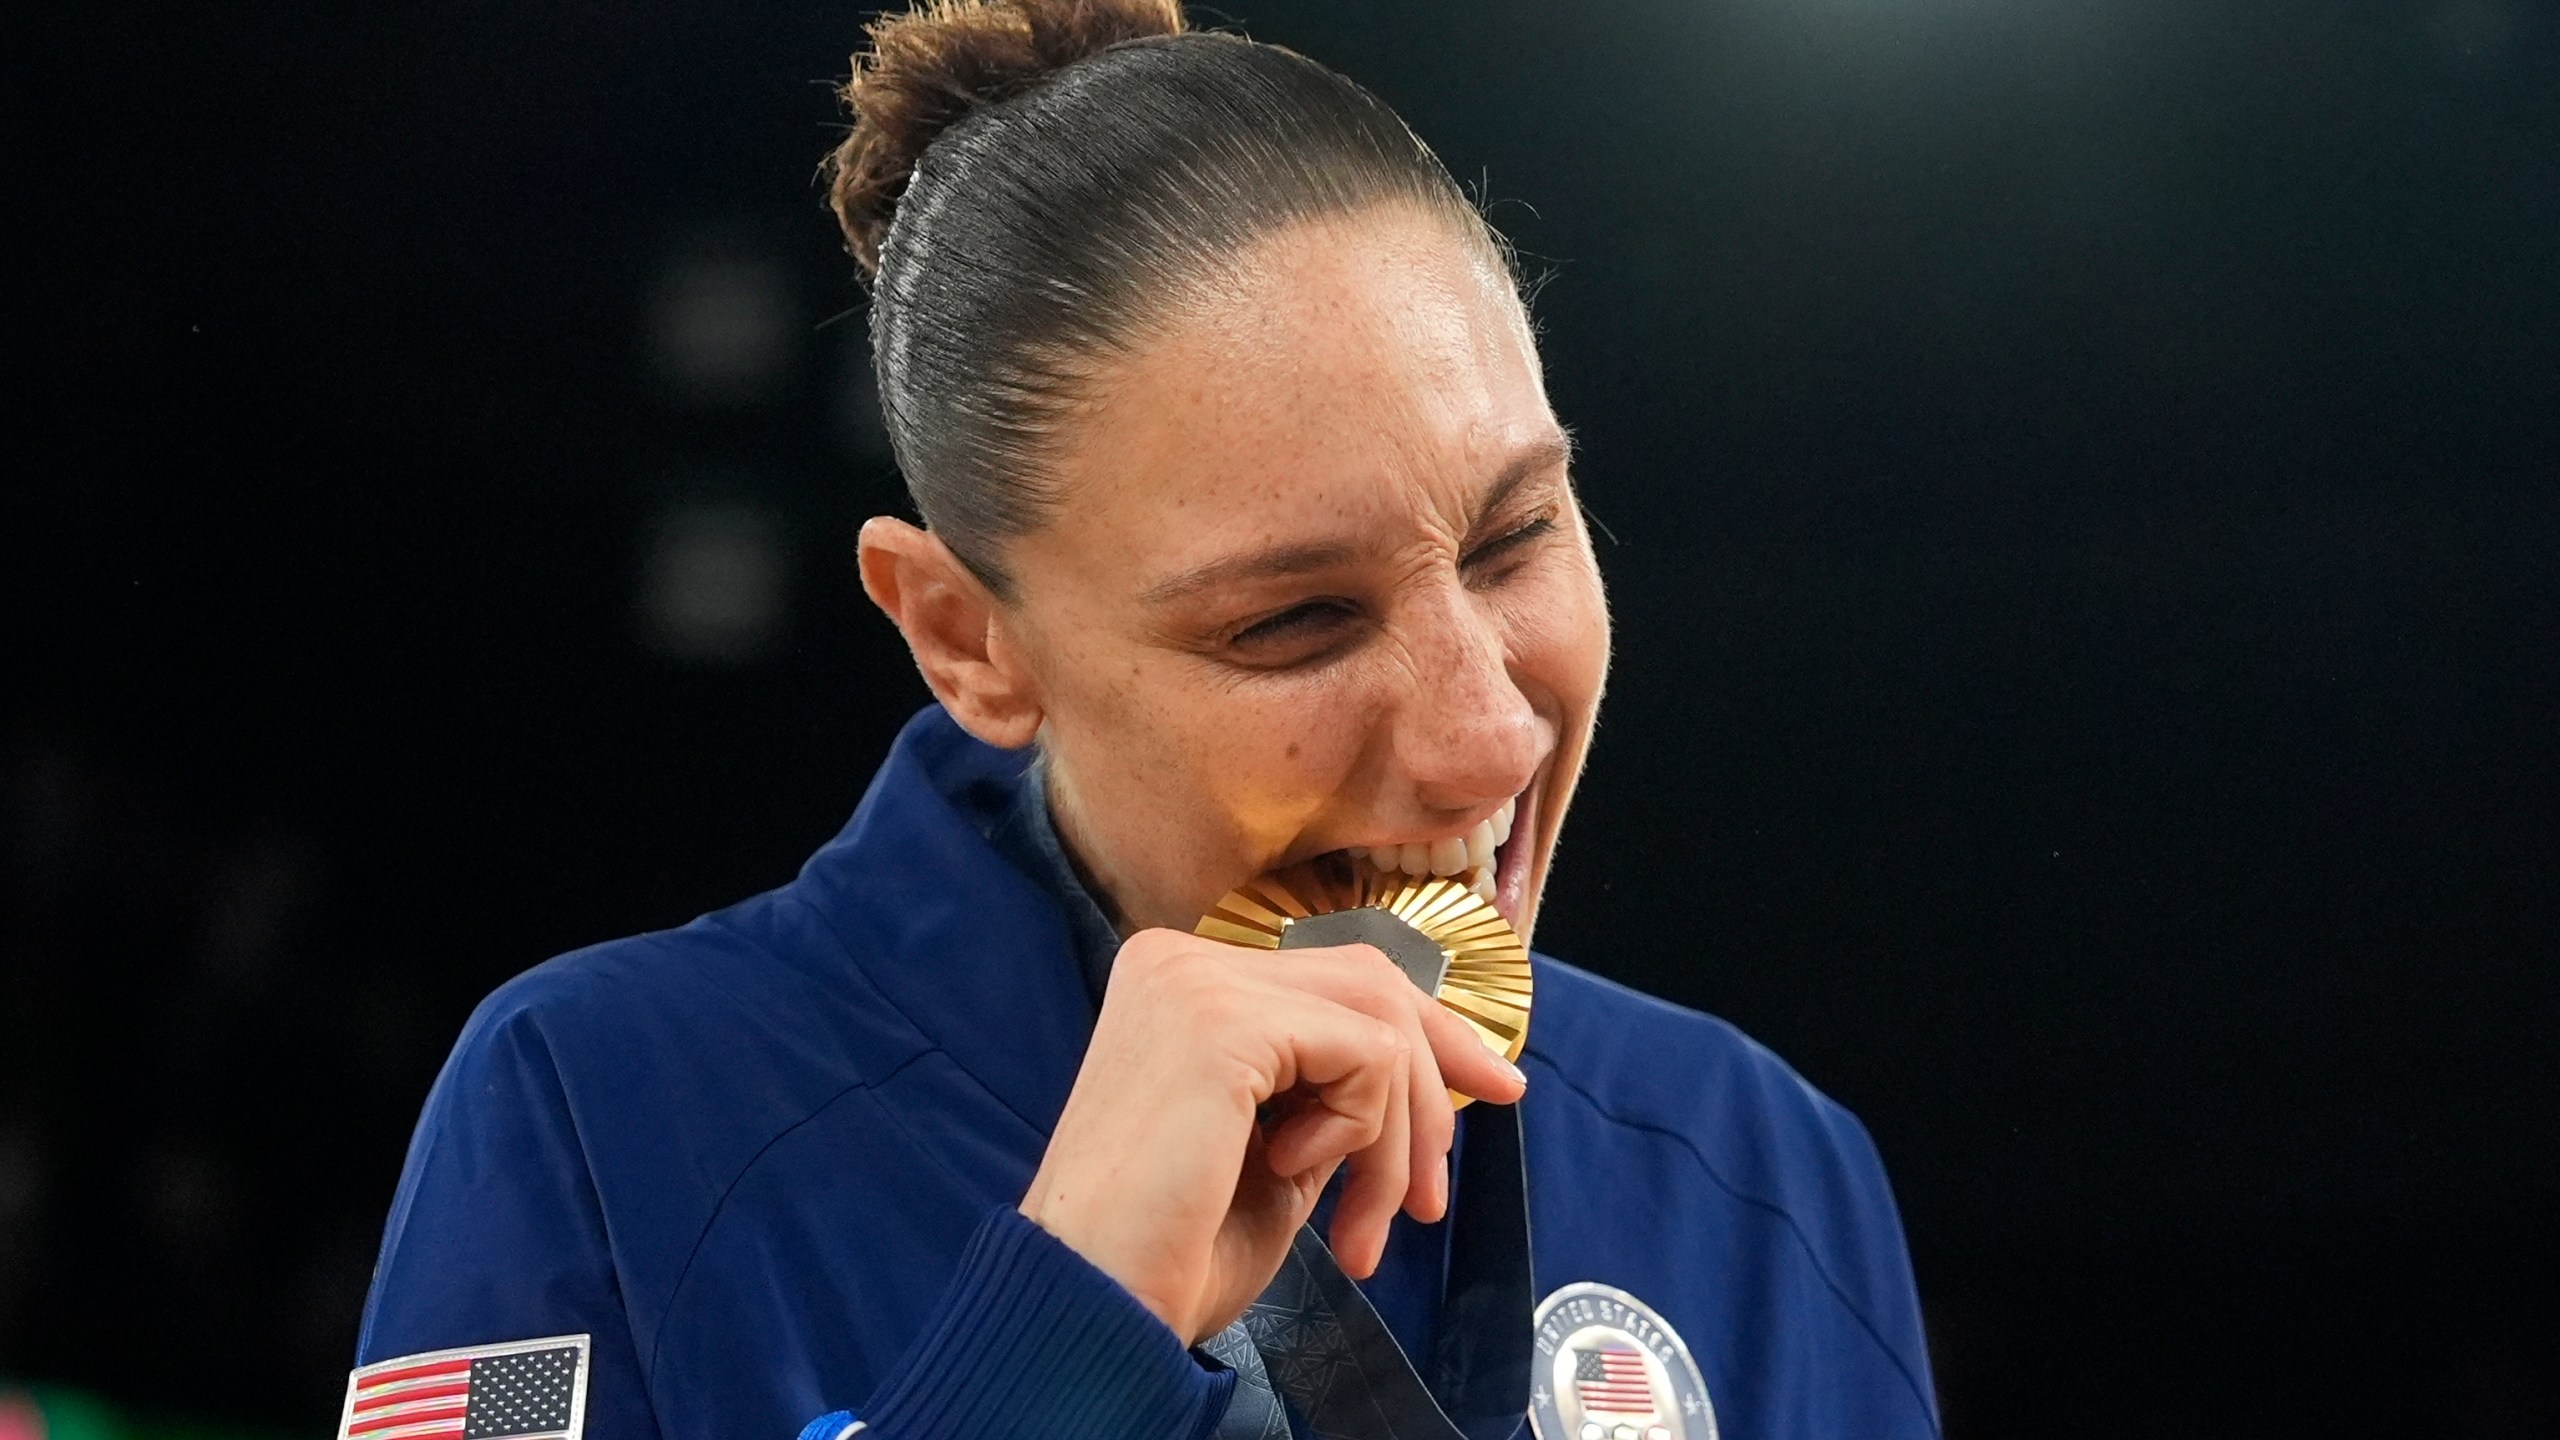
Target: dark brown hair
<point x="1026" y="181"/>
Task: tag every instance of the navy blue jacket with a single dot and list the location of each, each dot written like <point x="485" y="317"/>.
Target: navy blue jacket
<point x="768" y="1163"/>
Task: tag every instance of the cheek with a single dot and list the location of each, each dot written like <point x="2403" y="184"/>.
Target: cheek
<point x="1556" y="631"/>
<point x="1200" y="769"/>
<point x="1287" y="752"/>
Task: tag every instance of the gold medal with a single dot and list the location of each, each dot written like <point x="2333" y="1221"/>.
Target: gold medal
<point x="1442" y="935"/>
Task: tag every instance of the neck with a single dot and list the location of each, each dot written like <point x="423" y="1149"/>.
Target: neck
<point x="1066" y="820"/>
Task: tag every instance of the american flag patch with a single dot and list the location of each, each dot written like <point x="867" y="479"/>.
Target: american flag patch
<point x="1611" y="1380"/>
<point x="521" y="1390"/>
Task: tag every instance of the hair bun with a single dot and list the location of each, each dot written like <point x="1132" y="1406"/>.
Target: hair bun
<point x="923" y="70"/>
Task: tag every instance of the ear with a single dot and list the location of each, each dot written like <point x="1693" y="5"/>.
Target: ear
<point x="955" y="629"/>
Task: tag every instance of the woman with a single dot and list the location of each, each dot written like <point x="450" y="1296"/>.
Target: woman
<point x="1249" y="540"/>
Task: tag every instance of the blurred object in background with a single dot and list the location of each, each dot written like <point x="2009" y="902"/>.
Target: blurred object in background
<point x="722" y="328"/>
<point x="184" y="1074"/>
<point x="48" y="1413"/>
<point x="715" y="586"/>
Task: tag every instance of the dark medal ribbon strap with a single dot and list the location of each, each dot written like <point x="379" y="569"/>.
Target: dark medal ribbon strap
<point x="1315" y="1343"/>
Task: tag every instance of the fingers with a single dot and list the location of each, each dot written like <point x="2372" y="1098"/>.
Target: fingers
<point x="1467" y="1064"/>
<point x="1157" y="1170"/>
<point x="1381" y="1176"/>
<point x="1355" y="1101"/>
<point x="1360" y="1060"/>
<point x="1446" y="1052"/>
<point x="1435" y="1125"/>
<point x="1361" y="977"/>
<point x="1320" y="1134"/>
<point x="1350" y="1067"/>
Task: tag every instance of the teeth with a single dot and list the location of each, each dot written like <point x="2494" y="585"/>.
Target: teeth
<point x="1449" y="856"/>
<point x="1469" y="855"/>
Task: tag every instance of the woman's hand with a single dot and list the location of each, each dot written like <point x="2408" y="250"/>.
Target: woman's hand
<point x="1169" y="1173"/>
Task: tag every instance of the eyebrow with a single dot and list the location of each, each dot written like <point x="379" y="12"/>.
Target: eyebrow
<point x="1259" y="565"/>
<point x="1553" y="452"/>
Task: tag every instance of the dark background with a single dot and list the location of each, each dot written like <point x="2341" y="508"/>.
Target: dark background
<point x="2083" y="478"/>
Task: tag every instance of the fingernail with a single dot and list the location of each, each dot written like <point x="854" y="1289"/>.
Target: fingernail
<point x="1513" y="1071"/>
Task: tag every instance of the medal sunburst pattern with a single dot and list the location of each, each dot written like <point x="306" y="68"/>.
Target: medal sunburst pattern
<point x="1487" y="981"/>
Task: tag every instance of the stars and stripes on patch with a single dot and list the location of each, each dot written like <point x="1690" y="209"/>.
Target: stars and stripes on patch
<point x="518" y="1390"/>
<point x="1611" y="1380"/>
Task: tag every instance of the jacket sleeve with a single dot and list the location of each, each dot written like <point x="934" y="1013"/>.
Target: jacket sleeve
<point x="1031" y="1340"/>
<point x="1862" y="1240"/>
<point x="496" y="1233"/>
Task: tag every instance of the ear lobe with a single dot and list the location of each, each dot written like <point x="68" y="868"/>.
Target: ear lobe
<point x="952" y="626"/>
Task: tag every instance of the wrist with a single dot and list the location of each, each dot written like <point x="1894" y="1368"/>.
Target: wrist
<point x="1060" y="1219"/>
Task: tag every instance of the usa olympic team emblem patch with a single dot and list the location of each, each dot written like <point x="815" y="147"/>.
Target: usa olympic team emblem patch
<point x="1607" y="1368"/>
<point x="519" y="1390"/>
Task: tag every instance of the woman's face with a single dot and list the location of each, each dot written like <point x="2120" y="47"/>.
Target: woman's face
<point x="1317" y="581"/>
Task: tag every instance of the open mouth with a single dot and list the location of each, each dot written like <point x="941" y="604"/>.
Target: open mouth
<point x="1482" y="858"/>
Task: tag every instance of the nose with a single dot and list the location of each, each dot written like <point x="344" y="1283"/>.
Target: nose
<point x="1467" y="736"/>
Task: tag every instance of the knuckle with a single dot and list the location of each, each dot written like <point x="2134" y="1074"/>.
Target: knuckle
<point x="1154" y="947"/>
<point x="1219" y="1010"/>
<point x="1393" y="1040"/>
<point x="1375" y="978"/>
<point x="1209" y="1002"/>
<point x="1176" y="974"/>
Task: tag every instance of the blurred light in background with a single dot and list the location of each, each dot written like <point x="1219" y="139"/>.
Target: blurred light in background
<point x="715" y="583"/>
<point x="53" y="1413"/>
<point x="722" y="325"/>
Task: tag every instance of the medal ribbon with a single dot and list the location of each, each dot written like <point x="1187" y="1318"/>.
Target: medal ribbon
<point x="1313" y="1342"/>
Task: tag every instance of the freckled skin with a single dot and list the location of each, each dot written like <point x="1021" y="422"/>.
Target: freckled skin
<point x="1316" y="579"/>
<point x="1358" y="383"/>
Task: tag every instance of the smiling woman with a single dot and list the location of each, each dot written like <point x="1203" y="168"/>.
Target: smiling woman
<point x="1249" y="543"/>
<point x="1367" y="614"/>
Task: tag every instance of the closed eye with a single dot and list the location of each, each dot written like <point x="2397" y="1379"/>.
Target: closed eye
<point x="1298" y="622"/>
<point x="1501" y="545"/>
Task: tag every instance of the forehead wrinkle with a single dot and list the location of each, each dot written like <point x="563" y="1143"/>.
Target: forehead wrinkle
<point x="1551" y="452"/>
<point x="1456" y="500"/>
<point x="1440" y="539"/>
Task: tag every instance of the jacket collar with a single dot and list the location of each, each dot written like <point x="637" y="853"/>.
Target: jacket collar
<point x="1028" y="837"/>
<point x="972" y="951"/>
